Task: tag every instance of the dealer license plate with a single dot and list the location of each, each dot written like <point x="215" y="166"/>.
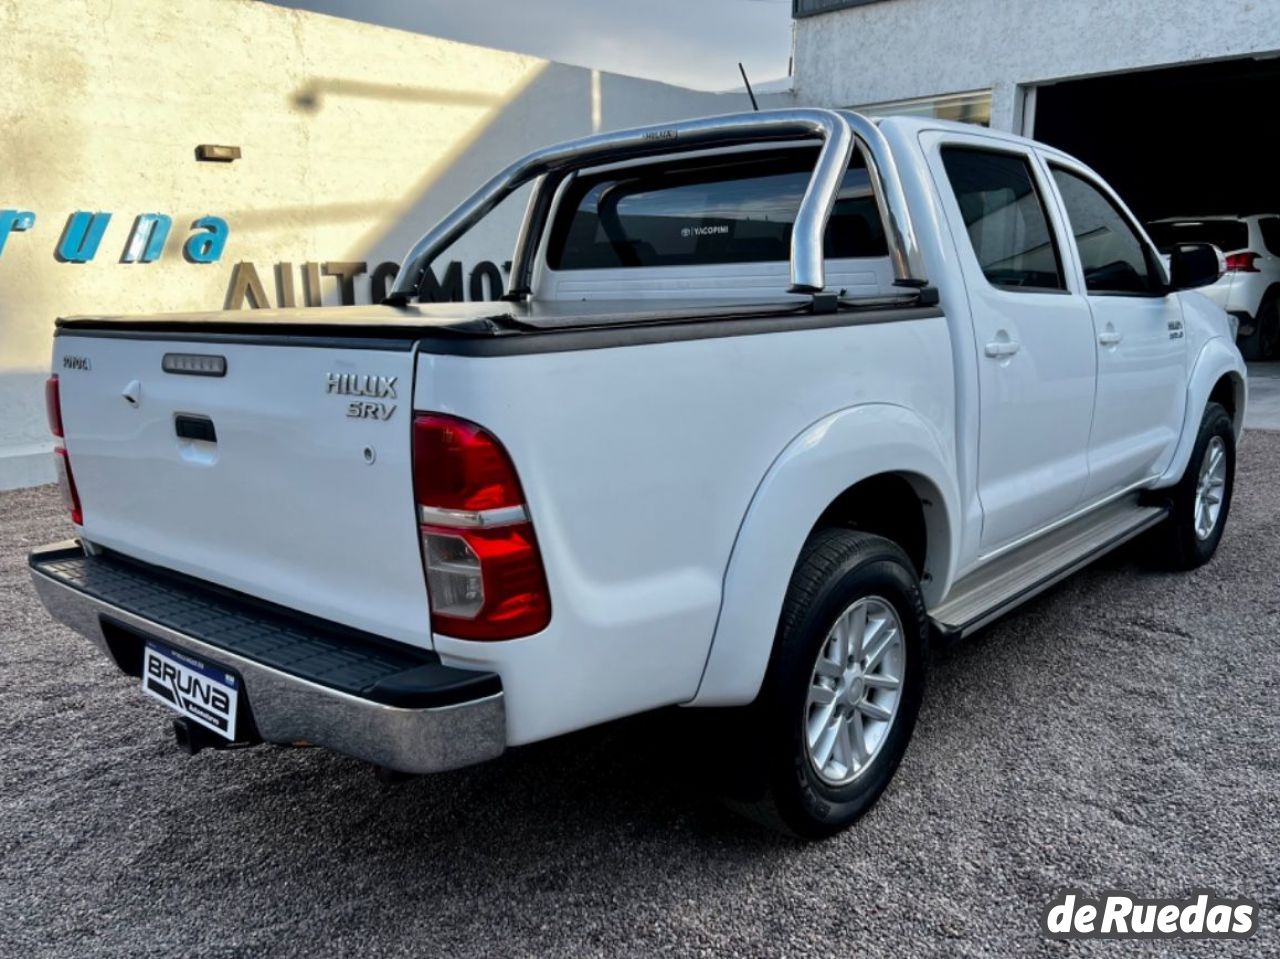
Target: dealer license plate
<point x="204" y="694"/>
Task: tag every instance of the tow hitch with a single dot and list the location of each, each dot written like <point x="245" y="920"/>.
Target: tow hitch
<point x="192" y="737"/>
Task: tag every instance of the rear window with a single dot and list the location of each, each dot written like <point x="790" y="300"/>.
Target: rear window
<point x="1226" y="235"/>
<point x="1270" y="227"/>
<point x="738" y="209"/>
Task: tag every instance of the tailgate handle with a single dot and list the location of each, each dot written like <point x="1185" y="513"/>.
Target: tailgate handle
<point x="190" y="427"/>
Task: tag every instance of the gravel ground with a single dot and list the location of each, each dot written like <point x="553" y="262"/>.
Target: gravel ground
<point x="1119" y="732"/>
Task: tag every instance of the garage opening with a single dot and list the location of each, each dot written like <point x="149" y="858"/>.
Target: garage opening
<point x="1190" y="150"/>
<point x="1179" y="142"/>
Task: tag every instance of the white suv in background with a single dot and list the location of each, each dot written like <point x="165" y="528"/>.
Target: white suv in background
<point x="1250" y="288"/>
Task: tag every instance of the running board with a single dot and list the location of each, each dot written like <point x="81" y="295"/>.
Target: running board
<point x="1010" y="580"/>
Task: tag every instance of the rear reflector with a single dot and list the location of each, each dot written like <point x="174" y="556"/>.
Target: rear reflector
<point x="61" y="461"/>
<point x="67" y="483"/>
<point x="484" y="572"/>
<point x="53" y="405"/>
<point x="1242" y="263"/>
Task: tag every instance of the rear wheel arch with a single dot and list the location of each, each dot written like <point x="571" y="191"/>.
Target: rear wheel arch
<point x="905" y="508"/>
<point x="844" y="684"/>
<point x="809" y="484"/>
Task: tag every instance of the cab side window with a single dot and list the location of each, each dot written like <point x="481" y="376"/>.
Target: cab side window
<point x="1005" y="218"/>
<point x="1114" y="257"/>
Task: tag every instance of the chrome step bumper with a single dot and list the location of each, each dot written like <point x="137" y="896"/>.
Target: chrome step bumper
<point x="304" y="680"/>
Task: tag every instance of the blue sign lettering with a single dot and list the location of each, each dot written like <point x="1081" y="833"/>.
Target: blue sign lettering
<point x="14" y="221"/>
<point x="206" y="247"/>
<point x="82" y="236"/>
<point x="146" y="242"/>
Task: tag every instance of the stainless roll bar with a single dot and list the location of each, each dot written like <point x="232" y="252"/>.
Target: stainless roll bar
<point x="882" y="171"/>
<point x="838" y="131"/>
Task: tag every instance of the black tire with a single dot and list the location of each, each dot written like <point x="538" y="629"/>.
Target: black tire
<point x="1175" y="542"/>
<point x="1264" y="342"/>
<point x="836" y="568"/>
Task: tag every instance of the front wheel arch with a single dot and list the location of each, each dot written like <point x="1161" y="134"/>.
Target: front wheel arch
<point x="1181" y="541"/>
<point x="1217" y="361"/>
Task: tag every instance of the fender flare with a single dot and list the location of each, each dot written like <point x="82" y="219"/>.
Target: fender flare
<point x="1216" y="359"/>
<point x="813" y="470"/>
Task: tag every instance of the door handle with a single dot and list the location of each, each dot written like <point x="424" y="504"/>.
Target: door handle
<point x="1110" y="337"/>
<point x="193" y="427"/>
<point x="1002" y="348"/>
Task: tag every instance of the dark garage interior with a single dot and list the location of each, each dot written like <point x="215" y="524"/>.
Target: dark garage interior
<point x="1185" y="141"/>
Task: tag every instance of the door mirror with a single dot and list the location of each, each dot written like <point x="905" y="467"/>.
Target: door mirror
<point x="1193" y="265"/>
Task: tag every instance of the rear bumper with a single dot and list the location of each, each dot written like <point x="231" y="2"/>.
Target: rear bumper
<point x="302" y="679"/>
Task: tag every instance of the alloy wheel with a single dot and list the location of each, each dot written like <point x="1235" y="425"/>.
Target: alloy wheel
<point x="854" y="691"/>
<point x="1211" y="488"/>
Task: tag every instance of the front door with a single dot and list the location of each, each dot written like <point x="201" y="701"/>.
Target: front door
<point x="1140" y="344"/>
<point x="1034" y="339"/>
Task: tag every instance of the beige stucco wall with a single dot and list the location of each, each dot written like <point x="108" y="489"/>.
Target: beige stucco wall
<point x="354" y="139"/>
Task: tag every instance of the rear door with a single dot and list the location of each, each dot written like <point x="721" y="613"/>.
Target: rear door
<point x="1138" y="327"/>
<point x="1033" y="336"/>
<point x="287" y="477"/>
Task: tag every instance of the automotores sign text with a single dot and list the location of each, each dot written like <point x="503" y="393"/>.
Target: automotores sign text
<point x="301" y="285"/>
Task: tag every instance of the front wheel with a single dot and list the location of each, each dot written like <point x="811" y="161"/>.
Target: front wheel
<point x="844" y="685"/>
<point x="1202" y="498"/>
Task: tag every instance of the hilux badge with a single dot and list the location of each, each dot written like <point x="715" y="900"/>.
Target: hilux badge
<point x="367" y="385"/>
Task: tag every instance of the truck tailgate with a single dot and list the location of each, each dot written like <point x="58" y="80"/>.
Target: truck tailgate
<point x="258" y="480"/>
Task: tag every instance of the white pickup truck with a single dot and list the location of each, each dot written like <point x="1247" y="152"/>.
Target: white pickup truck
<point x="772" y="399"/>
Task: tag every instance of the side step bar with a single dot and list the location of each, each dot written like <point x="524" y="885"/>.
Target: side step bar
<point x="1010" y="580"/>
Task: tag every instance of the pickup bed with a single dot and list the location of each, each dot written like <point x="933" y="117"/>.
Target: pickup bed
<point x="774" y="398"/>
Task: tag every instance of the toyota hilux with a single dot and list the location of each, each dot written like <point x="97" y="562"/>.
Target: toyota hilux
<point x="772" y="399"/>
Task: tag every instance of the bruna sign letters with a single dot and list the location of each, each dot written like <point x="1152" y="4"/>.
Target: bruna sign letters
<point x="84" y="233"/>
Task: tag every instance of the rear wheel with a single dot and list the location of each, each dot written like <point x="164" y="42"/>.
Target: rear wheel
<point x="1202" y="498"/>
<point x="843" y="689"/>
<point x="1264" y="342"/>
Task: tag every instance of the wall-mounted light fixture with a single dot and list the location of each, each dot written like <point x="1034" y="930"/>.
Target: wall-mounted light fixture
<point x="217" y="153"/>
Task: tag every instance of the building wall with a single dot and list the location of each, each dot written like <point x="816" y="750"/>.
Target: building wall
<point x="355" y="139"/>
<point x="901" y="49"/>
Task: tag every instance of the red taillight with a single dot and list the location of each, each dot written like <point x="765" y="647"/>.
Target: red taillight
<point x="458" y="465"/>
<point x="53" y="405"/>
<point x="484" y="571"/>
<point x="1242" y="263"/>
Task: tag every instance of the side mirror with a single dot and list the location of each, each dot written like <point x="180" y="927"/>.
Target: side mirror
<point x="1193" y="265"/>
